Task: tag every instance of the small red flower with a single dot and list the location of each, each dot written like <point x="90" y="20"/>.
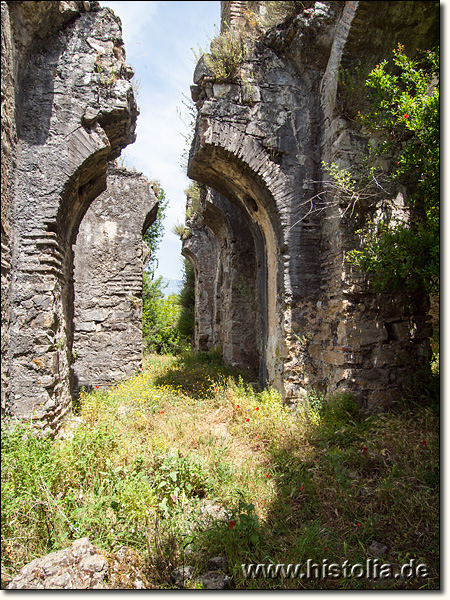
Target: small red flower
<point x="267" y="475"/>
<point x="247" y="420"/>
<point x="161" y="412"/>
<point x="424" y="442"/>
<point x="257" y="408"/>
<point x="405" y="116"/>
<point x="358" y="524"/>
<point x="364" y="449"/>
<point x="231" y="524"/>
<point x="237" y="405"/>
<point x="325" y="549"/>
<point x="302" y="489"/>
<point x="97" y="386"/>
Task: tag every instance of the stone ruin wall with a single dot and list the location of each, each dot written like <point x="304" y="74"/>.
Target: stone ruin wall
<point x="110" y="256"/>
<point x="67" y="110"/>
<point x="260" y="141"/>
<point x="302" y="318"/>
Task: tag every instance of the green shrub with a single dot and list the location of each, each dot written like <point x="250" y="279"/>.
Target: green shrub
<point x="177" y="477"/>
<point x="32" y="523"/>
<point x="404" y="114"/>
<point x="160" y="316"/>
<point x="227" y="54"/>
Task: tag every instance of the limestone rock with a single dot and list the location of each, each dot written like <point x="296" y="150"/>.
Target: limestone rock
<point x="82" y="566"/>
<point x="126" y="571"/>
<point x="79" y="567"/>
<point x="213" y="580"/>
<point x="218" y="563"/>
<point x="377" y="549"/>
<point x="181" y="575"/>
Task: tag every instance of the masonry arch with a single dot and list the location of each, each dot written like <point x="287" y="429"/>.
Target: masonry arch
<point x="239" y="327"/>
<point x="68" y="128"/>
<point x="237" y="166"/>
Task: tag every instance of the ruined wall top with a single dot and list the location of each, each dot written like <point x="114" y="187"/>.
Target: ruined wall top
<point x="232" y="14"/>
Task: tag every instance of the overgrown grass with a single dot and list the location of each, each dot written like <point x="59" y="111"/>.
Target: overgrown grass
<point x="187" y="460"/>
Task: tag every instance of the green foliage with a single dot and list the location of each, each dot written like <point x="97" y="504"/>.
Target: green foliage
<point x="193" y="211"/>
<point x="154" y="234"/>
<point x="186" y="318"/>
<point x="160" y="316"/>
<point x="244" y="524"/>
<point x="237" y="536"/>
<point x="229" y="49"/>
<point x="404" y="115"/>
<point x="193" y="204"/>
<point x="228" y="52"/>
<point x="351" y="89"/>
<point x="152" y="453"/>
<point x="405" y="110"/>
<point x="177" y="477"/>
<point x="182" y="231"/>
<point x="395" y="257"/>
<point x="28" y="470"/>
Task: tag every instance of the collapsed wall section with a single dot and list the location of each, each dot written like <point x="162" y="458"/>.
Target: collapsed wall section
<point x="73" y="111"/>
<point x="108" y="267"/>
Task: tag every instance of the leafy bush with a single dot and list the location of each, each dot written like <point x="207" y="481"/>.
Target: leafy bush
<point x="404" y="112"/>
<point x="227" y="54"/>
<point x="236" y="536"/>
<point x="177" y="477"/>
<point x="31" y="521"/>
<point x="160" y="319"/>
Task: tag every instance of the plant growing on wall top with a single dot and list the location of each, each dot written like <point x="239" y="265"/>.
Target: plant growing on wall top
<point x="230" y="49"/>
<point x="228" y="52"/>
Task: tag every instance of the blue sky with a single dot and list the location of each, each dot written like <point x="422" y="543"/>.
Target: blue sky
<point x="160" y="41"/>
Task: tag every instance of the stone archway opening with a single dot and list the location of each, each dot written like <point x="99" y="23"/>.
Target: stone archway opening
<point x="237" y="182"/>
<point x="67" y="126"/>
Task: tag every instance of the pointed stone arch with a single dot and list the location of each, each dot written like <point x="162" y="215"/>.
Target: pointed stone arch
<point x="235" y="164"/>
